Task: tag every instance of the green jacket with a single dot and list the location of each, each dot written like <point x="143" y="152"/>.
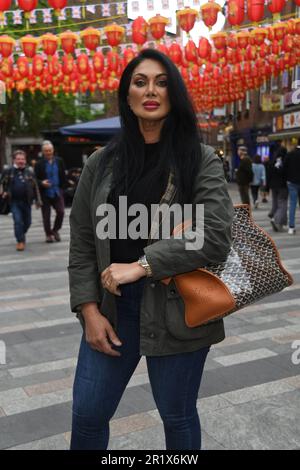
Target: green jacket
<point x="163" y="330"/>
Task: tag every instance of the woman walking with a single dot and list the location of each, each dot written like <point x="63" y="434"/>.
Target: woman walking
<point x="259" y="178"/>
<point x="125" y="310"/>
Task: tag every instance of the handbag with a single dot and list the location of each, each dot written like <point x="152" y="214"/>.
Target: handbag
<point x="252" y="271"/>
<point x="4" y="206"/>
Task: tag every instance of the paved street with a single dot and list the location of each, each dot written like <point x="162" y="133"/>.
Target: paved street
<point x="250" y="394"/>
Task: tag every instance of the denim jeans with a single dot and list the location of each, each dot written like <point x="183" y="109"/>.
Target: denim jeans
<point x="294" y="190"/>
<point x="21" y="212"/>
<point x="100" y="381"/>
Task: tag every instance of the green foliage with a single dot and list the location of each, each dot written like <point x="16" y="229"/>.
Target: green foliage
<point x="29" y="114"/>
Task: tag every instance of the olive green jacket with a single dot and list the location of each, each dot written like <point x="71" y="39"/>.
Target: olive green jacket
<point x="162" y="327"/>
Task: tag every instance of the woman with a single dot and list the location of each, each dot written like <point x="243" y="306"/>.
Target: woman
<point x="259" y="178"/>
<point x="115" y="284"/>
<point x="278" y="186"/>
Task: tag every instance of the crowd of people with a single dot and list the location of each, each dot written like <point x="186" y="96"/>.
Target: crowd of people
<point x="281" y="176"/>
<point x="45" y="183"/>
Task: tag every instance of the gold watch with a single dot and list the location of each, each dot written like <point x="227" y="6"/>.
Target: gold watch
<point x="142" y="261"/>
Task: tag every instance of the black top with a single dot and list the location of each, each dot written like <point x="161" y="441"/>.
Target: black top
<point x="292" y="166"/>
<point x="144" y="192"/>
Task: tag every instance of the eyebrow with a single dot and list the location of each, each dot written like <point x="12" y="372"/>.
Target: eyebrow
<point x="145" y="76"/>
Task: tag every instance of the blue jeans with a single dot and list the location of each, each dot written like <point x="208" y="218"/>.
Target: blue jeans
<point x="294" y="190"/>
<point x="100" y="381"/>
<point x="21" y="212"/>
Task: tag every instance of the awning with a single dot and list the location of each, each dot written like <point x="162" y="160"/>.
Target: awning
<point x="284" y="134"/>
<point x="101" y="127"/>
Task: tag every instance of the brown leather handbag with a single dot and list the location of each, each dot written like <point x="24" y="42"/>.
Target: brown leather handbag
<point x="252" y="270"/>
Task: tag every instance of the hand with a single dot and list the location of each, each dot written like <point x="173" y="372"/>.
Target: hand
<point x="46" y="183"/>
<point x="4" y="195"/>
<point x="121" y="273"/>
<point x="98" y="331"/>
<point x="37" y="205"/>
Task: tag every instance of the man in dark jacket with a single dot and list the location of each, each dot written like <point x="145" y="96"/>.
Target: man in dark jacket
<point x="244" y="174"/>
<point x="20" y="187"/>
<point x="292" y="173"/>
<point x="278" y="186"/>
<point x="50" y="174"/>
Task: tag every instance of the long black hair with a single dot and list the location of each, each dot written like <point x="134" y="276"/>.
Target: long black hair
<point x="179" y="144"/>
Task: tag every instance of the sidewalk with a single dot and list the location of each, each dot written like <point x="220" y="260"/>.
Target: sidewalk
<point x="250" y="393"/>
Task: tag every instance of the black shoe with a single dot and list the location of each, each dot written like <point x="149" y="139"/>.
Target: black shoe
<point x="274" y="225"/>
<point x="49" y="239"/>
<point x="56" y="236"/>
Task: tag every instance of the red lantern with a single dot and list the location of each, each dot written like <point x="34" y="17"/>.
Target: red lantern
<point x="54" y="66"/>
<point x="91" y="38"/>
<point x="163" y="48"/>
<point x="83" y="64"/>
<point x="275" y="6"/>
<point x="128" y="55"/>
<point x="204" y="48"/>
<point x="4" y="6"/>
<point x="175" y="53"/>
<point x="280" y="30"/>
<point x="259" y="35"/>
<point x="68" y="65"/>
<point x="49" y="44"/>
<point x="113" y="61"/>
<point x="114" y="34"/>
<point x="6" y="45"/>
<point x="255" y="10"/>
<point x="242" y="39"/>
<point x="209" y="12"/>
<point x="27" y="5"/>
<point x="29" y="45"/>
<point x="38" y="65"/>
<point x="158" y="26"/>
<point x="7" y="67"/>
<point x="58" y="5"/>
<point x="98" y="62"/>
<point x="68" y="41"/>
<point x="139" y="31"/>
<point x="191" y="52"/>
<point x="187" y="18"/>
<point x="236" y="12"/>
<point x="219" y="40"/>
<point x="23" y="66"/>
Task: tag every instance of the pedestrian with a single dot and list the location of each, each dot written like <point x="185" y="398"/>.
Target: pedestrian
<point x="278" y="186"/>
<point x="115" y="283"/>
<point x="244" y="174"/>
<point x="259" y="179"/>
<point x="266" y="189"/>
<point x="20" y="188"/>
<point x="50" y="174"/>
<point x="292" y="174"/>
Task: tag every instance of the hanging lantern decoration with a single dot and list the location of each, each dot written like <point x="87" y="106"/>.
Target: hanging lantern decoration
<point x="49" y="44"/>
<point x="68" y="64"/>
<point x="209" y="13"/>
<point x="162" y="48"/>
<point x="259" y="35"/>
<point x="190" y="51"/>
<point x="98" y="62"/>
<point x="113" y="62"/>
<point x="186" y="19"/>
<point x="4" y="6"/>
<point x="7" y="67"/>
<point x="128" y="55"/>
<point x="29" y="45"/>
<point x="280" y="30"/>
<point x="83" y="65"/>
<point x="255" y="10"/>
<point x="219" y="40"/>
<point x="114" y="34"/>
<point x="275" y="7"/>
<point x="27" y="6"/>
<point x="204" y="48"/>
<point x="236" y="12"/>
<point x="175" y="53"/>
<point x="23" y="66"/>
<point x="68" y="41"/>
<point x="37" y="65"/>
<point x="7" y="45"/>
<point x="54" y="66"/>
<point x="90" y="38"/>
<point x="158" y="26"/>
<point x="57" y="5"/>
<point x="139" y="31"/>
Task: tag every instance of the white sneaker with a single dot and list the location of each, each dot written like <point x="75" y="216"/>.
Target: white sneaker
<point x="292" y="231"/>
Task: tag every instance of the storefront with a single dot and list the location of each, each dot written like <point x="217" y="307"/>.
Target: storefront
<point x="256" y="140"/>
<point x="286" y="129"/>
